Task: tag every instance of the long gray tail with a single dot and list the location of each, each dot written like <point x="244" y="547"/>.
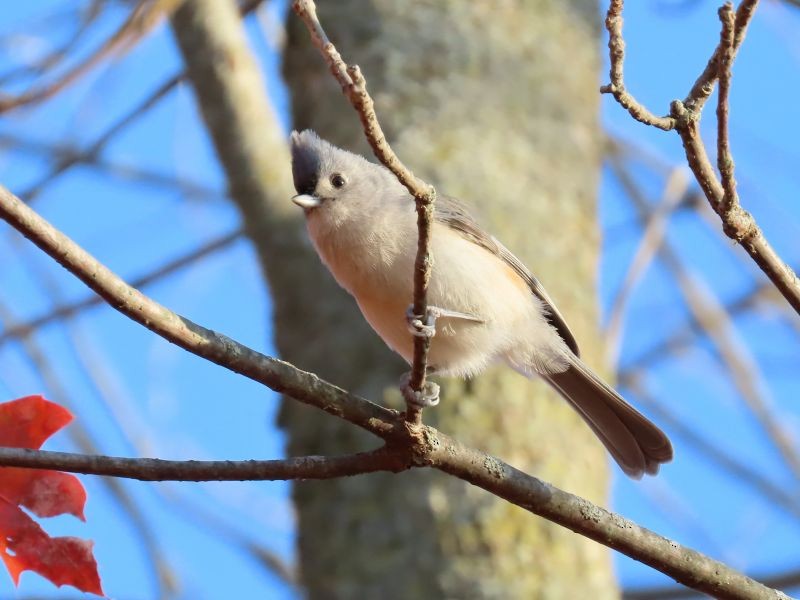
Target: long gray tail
<point x="636" y="444"/>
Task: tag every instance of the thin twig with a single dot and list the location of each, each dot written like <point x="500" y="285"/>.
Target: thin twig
<point x="154" y="469"/>
<point x="616" y="49"/>
<point x="739" y="225"/>
<point x="730" y="201"/>
<point x="704" y="84"/>
<point x="354" y="86"/>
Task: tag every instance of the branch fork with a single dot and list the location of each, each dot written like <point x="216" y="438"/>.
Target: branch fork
<point x="719" y="189"/>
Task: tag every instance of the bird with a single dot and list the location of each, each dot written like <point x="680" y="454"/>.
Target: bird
<point x="486" y="306"/>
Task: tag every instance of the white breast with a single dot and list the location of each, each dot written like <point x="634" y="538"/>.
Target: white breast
<point x="376" y="267"/>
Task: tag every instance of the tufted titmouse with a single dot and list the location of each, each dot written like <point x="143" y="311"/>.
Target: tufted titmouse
<point x="488" y="306"/>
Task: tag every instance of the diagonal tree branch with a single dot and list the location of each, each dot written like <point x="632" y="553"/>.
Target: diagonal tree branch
<point x="423" y="445"/>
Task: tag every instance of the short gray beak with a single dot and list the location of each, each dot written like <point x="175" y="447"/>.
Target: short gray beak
<point x="306" y="201"/>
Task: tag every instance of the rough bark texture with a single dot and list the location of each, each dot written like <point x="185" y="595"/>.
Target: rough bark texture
<point x="494" y="102"/>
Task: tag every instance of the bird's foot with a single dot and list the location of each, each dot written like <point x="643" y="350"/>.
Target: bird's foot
<point x="420" y="326"/>
<point x="426" y="397"/>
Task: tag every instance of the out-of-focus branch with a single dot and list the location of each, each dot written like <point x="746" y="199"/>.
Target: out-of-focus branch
<point x="67" y="155"/>
<point x="53" y="58"/>
<point x="421" y="445"/>
<point x="717" y="324"/>
<point x="69" y="310"/>
<point x="684" y="336"/>
<point x="94" y="149"/>
<point x="738" y="224"/>
<point x="742" y="472"/>
<point x="142" y="19"/>
<point x="91" y="154"/>
<point x="354" y="87"/>
<point x="654" y="230"/>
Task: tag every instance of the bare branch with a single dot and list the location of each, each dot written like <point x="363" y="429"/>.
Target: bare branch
<point x="704" y="85"/>
<point x="616" y="49"/>
<point x="354" y="86"/>
<point x="730" y="200"/>
<point x="781" y="581"/>
<point x="217" y="348"/>
<point x="738" y="224"/>
<point x="154" y="469"/>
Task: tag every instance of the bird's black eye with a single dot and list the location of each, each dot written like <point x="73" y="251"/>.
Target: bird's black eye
<point x="337" y="181"/>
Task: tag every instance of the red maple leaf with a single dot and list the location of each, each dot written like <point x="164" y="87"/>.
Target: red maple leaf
<point x="24" y="545"/>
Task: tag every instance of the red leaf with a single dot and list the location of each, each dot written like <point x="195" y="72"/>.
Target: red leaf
<point x="44" y="493"/>
<point x="24" y="545"/>
<point x="28" y="422"/>
<point x="62" y="560"/>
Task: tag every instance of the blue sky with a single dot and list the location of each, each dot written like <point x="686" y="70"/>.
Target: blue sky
<point x="177" y="406"/>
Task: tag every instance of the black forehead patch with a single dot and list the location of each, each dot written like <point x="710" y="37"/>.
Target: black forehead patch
<point x="305" y="164"/>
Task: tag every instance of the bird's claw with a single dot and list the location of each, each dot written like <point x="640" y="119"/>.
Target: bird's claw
<point x="426" y="326"/>
<point x="426" y="397"/>
<point x="420" y="326"/>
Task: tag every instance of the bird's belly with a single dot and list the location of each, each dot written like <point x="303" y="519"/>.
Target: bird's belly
<point x="458" y="348"/>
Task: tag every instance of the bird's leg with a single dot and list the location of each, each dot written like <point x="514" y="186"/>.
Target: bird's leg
<point x="420" y="326"/>
<point x="427" y="397"/>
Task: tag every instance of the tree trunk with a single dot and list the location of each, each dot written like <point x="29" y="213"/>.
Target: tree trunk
<point x="494" y="102"/>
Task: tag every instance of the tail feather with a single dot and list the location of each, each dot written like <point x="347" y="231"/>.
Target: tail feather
<point x="633" y="441"/>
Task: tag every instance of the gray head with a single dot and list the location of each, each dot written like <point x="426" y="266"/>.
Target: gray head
<point x="335" y="183"/>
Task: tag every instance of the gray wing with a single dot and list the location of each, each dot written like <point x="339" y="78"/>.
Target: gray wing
<point x="452" y="213"/>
